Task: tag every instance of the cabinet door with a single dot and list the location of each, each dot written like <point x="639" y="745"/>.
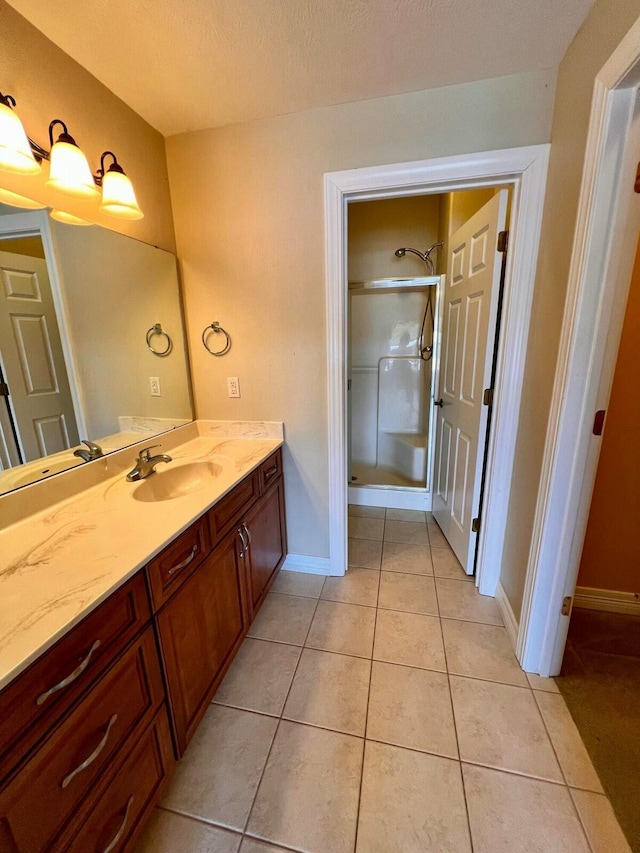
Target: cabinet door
<point x="200" y="629"/>
<point x="267" y="542"/>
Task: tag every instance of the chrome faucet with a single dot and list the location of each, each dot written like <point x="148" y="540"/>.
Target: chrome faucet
<point x="94" y="451"/>
<point x="146" y="464"/>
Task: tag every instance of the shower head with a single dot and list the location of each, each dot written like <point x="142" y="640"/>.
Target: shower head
<point x="424" y="256"/>
<point x="400" y="253"/>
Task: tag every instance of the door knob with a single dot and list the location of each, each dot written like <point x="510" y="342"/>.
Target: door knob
<point x="439" y="402"/>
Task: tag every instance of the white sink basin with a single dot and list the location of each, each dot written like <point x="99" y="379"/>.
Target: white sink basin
<point x="177" y="481"/>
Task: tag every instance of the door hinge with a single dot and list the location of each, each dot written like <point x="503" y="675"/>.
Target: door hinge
<point x="566" y="605"/>
<point x="636" y="186"/>
<point x="475" y="525"/>
<point x="4" y="389"/>
<point x="487" y="397"/>
<point x="598" y="422"/>
<point x="503" y="241"/>
<point x="348" y="385"/>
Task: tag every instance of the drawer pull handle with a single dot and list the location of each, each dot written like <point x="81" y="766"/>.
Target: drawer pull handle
<point x="91" y="758"/>
<point x="248" y="532"/>
<point x="244" y="547"/>
<point x="184" y="563"/>
<point x="120" y="832"/>
<point x="271" y="471"/>
<point x="77" y="672"/>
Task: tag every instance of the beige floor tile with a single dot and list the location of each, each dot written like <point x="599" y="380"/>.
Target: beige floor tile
<point x="436" y="537"/>
<point x="481" y="651"/>
<point x="600" y="823"/>
<point x="411" y="559"/>
<point x="406" y="515"/>
<point x="367" y="511"/>
<point x="366" y="528"/>
<point x="411" y="803"/>
<point x="298" y="583"/>
<point x="461" y="600"/>
<point x="308" y="797"/>
<point x="410" y="593"/>
<point x="344" y="628"/>
<point x="411" y="707"/>
<point x="446" y="565"/>
<point x="515" y="814"/>
<point x="565" y="737"/>
<point x="250" y="845"/>
<point x="358" y="586"/>
<point x="500" y="726"/>
<point x="406" y="531"/>
<point x="548" y="685"/>
<point x="365" y="553"/>
<point x="222" y="790"/>
<point x="409" y="638"/>
<point x="260" y="677"/>
<point x="284" y="618"/>
<point x="167" y="833"/>
<point x="330" y="691"/>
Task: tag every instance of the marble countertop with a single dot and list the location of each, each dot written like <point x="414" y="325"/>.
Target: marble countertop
<point x="60" y="563"/>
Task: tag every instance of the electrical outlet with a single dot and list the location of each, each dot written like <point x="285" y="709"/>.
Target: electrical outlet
<point x="233" y="386"/>
<point x="154" y="385"/>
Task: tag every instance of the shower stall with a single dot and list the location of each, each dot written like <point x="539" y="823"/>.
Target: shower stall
<point x="393" y="353"/>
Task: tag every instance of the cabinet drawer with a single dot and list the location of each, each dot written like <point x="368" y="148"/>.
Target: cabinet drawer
<point x="270" y="470"/>
<point x="61" y="775"/>
<point x="231" y="508"/>
<point x="38" y="697"/>
<point x="130" y="795"/>
<point x="172" y="566"/>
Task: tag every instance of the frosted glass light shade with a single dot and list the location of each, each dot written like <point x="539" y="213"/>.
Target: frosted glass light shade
<point x="68" y="218"/>
<point x="15" y="152"/>
<point x="15" y="200"/>
<point x="118" y="197"/>
<point x="69" y="172"/>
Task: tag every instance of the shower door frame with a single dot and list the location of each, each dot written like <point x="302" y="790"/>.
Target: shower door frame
<point x="524" y="170"/>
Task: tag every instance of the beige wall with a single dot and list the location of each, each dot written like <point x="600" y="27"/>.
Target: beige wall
<point x="605" y="26"/>
<point x="248" y="207"/>
<point x="48" y="84"/>
<point x="377" y="228"/>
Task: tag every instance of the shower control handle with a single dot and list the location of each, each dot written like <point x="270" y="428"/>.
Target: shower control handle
<point x="439" y="402"/>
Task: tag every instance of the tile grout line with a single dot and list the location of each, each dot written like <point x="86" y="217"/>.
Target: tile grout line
<point x="366" y="717"/>
<point x="280" y="718"/>
<point x="455" y="726"/>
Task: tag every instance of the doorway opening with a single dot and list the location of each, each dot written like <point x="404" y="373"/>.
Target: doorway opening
<point x="422" y="335"/>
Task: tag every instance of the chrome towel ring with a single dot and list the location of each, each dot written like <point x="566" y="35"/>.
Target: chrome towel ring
<point x="217" y="328"/>
<point x="156" y="330"/>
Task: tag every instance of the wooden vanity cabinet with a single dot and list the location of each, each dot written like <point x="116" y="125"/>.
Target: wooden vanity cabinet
<point x="200" y="630"/>
<point x="265" y="535"/>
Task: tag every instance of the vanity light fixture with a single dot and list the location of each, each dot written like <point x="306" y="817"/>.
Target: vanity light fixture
<point x="16" y="154"/>
<point x="69" y="169"/>
<point x="118" y="197"/>
<point x="68" y="218"/>
<point x="15" y="200"/>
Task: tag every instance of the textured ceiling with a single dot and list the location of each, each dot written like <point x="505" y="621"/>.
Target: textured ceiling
<point x="193" y="64"/>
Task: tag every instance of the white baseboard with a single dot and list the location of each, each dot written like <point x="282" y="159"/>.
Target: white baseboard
<point x="607" y="599"/>
<point x="309" y="565"/>
<point x="508" y="616"/>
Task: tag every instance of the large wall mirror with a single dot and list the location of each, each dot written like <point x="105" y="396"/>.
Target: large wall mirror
<point x="82" y="310"/>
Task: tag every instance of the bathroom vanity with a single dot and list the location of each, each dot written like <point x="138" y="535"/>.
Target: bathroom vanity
<point x="96" y="707"/>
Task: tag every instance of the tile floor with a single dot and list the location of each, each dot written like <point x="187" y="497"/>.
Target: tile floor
<point x="382" y="712"/>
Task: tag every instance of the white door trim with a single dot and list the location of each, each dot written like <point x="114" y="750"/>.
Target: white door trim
<point x="37" y="222"/>
<point x="524" y="169"/>
<point x="604" y="247"/>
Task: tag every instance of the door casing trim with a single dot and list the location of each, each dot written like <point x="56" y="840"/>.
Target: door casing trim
<point x="524" y="170"/>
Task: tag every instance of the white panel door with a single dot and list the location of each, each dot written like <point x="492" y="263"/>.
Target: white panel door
<point x="32" y="358"/>
<point x="468" y="331"/>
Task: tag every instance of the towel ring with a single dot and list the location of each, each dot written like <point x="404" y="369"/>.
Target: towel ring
<point x="157" y="329"/>
<point x="216" y="327"/>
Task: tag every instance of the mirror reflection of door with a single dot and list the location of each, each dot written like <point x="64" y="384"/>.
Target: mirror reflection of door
<point x="39" y="402"/>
